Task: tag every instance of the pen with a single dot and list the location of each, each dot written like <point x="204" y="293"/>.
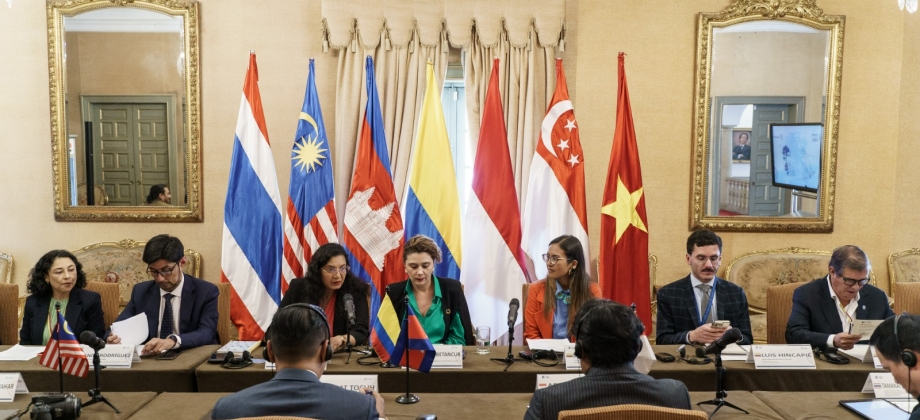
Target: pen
<point x="851" y="329"/>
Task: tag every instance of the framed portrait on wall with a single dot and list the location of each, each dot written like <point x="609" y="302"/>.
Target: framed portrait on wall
<point x="741" y="144"/>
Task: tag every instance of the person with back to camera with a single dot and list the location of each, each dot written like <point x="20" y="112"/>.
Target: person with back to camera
<point x="553" y="301"/>
<point x="607" y="340"/>
<point x="327" y="282"/>
<point x="58" y="278"/>
<point x="438" y="302"/>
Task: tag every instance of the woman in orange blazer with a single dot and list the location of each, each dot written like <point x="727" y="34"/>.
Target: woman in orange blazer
<point x="553" y="302"/>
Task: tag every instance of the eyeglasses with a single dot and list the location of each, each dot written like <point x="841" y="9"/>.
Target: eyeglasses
<point x="164" y="272"/>
<point x="852" y="282"/>
<point x="332" y="270"/>
<point x="552" y="259"/>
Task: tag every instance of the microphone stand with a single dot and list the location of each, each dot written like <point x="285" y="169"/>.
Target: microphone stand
<point x="348" y="347"/>
<point x="96" y="393"/>
<point x="719" y="400"/>
<point x="57" y="327"/>
<point x="408" y="398"/>
<point x="509" y="359"/>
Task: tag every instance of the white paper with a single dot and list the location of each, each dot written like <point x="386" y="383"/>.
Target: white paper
<point x="646" y="357"/>
<point x="447" y="356"/>
<point x="19" y="353"/>
<point x="571" y="362"/>
<point x="859" y="352"/>
<point x="783" y="356"/>
<point x="735" y="349"/>
<point x="544" y="380"/>
<point x="557" y="345"/>
<point x="132" y="331"/>
<point x="10" y="385"/>
<point x="865" y="327"/>
<point x="351" y="382"/>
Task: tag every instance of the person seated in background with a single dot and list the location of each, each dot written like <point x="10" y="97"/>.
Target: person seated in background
<point x="327" y="282"/>
<point x="299" y="345"/>
<point x="438" y="302"/>
<point x="553" y="301"/>
<point x="823" y="310"/>
<point x="607" y="340"/>
<point x="897" y="343"/>
<point x="687" y="307"/>
<point x="159" y="195"/>
<point x="181" y="310"/>
<point x="58" y="278"/>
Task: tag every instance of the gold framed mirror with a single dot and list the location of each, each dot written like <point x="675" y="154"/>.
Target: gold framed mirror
<point x="766" y="109"/>
<point x="125" y="110"/>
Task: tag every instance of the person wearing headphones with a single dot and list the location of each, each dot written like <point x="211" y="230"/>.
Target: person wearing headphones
<point x="607" y="340"/>
<point x="299" y="345"/>
<point x="897" y="343"/>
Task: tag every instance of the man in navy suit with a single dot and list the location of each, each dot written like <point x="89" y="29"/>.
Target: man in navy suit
<point x="687" y="307"/>
<point x="824" y="309"/>
<point x="607" y="340"/>
<point x="181" y="310"/>
<point x="298" y="344"/>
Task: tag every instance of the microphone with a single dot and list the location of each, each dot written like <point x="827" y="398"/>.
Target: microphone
<point x="513" y="312"/>
<point x="89" y="338"/>
<point x="731" y="336"/>
<point x="350" y="308"/>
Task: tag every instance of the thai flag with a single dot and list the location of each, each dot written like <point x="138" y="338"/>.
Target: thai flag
<point x="556" y="189"/>
<point x="311" y="194"/>
<point x="373" y="232"/>
<point x="492" y="234"/>
<point x="421" y="353"/>
<point x="432" y="204"/>
<point x="64" y="342"/>
<point x="252" y="246"/>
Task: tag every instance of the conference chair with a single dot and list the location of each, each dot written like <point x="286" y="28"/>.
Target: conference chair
<point x="225" y="329"/>
<point x="632" y="412"/>
<point x="276" y="418"/>
<point x="906" y="297"/>
<point x="9" y="319"/>
<point x="779" y="307"/>
<point x="110" y="296"/>
<point x="903" y="268"/>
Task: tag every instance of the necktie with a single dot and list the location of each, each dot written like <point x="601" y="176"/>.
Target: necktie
<point x="704" y="302"/>
<point x="166" y="327"/>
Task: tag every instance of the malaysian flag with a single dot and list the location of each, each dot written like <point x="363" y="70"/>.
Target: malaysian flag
<point x="311" y="219"/>
<point x="63" y="343"/>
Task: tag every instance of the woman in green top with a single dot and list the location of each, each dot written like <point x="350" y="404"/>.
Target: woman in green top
<point x="58" y="278"/>
<point x="438" y="302"/>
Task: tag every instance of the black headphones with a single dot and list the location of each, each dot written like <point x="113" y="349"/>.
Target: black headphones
<point x="328" y="355"/>
<point x="682" y="351"/>
<point x="233" y="362"/>
<point x="907" y="357"/>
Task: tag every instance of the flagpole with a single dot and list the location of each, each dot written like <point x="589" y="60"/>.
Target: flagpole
<point x="57" y="329"/>
<point x="408" y="398"/>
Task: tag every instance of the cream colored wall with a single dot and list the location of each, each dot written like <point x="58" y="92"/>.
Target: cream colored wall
<point x="660" y="39"/>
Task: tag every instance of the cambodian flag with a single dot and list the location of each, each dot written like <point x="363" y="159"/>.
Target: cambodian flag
<point x="251" y="249"/>
<point x="311" y="219"/>
<point x="421" y="353"/>
<point x="373" y="231"/>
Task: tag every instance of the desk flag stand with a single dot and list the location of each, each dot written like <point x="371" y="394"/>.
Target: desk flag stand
<point x="408" y="398"/>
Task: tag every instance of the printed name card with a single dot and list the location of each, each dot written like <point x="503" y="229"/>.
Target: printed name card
<point x="10" y="385"/>
<point x="864" y="353"/>
<point x="571" y="362"/>
<point x="783" y="356"/>
<point x="547" y="379"/>
<point x="351" y="382"/>
<point x="884" y="386"/>
<point x="447" y="357"/>
<point x="118" y="356"/>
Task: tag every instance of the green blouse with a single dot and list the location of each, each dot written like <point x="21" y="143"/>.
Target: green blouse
<point x="52" y="318"/>
<point x="433" y="321"/>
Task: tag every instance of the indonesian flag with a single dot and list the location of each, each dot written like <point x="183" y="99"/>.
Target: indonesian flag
<point x="624" y="272"/>
<point x="63" y="351"/>
<point x="555" y="202"/>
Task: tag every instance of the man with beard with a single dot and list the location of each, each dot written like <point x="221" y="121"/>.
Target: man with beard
<point x="688" y="307"/>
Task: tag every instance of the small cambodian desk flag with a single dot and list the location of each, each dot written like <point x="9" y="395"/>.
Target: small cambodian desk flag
<point x="421" y="351"/>
<point x="64" y="342"/>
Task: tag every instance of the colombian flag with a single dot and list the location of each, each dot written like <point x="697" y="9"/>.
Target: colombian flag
<point x="385" y="330"/>
<point x="421" y="353"/>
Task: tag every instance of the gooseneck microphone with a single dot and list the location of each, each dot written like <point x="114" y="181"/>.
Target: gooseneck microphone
<point x="89" y="338"/>
<point x="513" y="312"/>
<point x="731" y="336"/>
<point x="350" y="308"/>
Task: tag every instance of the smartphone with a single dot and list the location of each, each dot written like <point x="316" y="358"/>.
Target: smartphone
<point x="721" y="324"/>
<point x="169" y="355"/>
<point x="526" y="355"/>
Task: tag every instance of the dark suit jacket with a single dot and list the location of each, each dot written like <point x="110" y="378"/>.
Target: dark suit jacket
<point x="83" y="313"/>
<point x="814" y="313"/>
<point x="197" y="312"/>
<point x="741" y="151"/>
<point x="620" y="384"/>
<point x="294" y="294"/>
<point x="452" y="302"/>
<point x="295" y="392"/>
<point x="678" y="313"/>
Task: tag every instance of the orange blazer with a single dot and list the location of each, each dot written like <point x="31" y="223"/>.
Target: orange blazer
<point x="535" y="324"/>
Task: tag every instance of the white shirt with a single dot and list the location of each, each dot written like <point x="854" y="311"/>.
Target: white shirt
<point x="847" y="314"/>
<point x="697" y="295"/>
<point x="176" y="302"/>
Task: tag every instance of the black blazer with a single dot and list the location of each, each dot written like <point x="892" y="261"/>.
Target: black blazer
<point x="452" y="301"/>
<point x="295" y="292"/>
<point x="678" y="313"/>
<point x="83" y="313"/>
<point x="814" y="314"/>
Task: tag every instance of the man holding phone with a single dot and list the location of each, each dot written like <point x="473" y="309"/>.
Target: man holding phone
<point x="699" y="308"/>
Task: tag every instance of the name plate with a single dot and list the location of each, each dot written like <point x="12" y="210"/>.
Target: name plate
<point x="864" y="353"/>
<point x="884" y="386"/>
<point x="10" y="385"/>
<point x="117" y="356"/>
<point x="447" y="356"/>
<point x="547" y="379"/>
<point x="571" y="362"/>
<point x="783" y="356"/>
<point x="351" y="382"/>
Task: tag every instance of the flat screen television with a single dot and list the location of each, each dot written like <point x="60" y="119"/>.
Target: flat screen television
<point x="796" y="152"/>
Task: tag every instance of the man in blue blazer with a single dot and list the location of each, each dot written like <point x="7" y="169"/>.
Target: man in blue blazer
<point x="824" y="309"/>
<point x="687" y="307"/>
<point x="181" y="310"/>
<point x="298" y="344"/>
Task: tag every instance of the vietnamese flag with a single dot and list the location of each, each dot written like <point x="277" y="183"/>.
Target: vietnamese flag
<point x="624" y="275"/>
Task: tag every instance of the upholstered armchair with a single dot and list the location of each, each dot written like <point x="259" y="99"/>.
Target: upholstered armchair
<point x="904" y="268"/>
<point x="632" y="412"/>
<point x="9" y="319"/>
